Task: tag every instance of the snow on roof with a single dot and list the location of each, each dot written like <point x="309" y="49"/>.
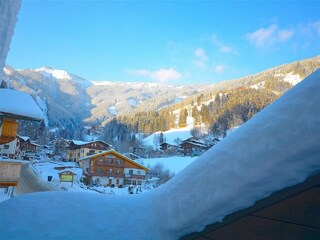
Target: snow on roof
<point x="277" y="148"/>
<point x="18" y="103"/>
<point x="67" y="170"/>
<point x="115" y="153"/>
<point x="24" y="138"/>
<point x="79" y="143"/>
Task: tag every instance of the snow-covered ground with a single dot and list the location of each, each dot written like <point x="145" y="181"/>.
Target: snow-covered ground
<point x="292" y="78"/>
<point x="170" y="136"/>
<point x="174" y="164"/>
<point x="277" y="148"/>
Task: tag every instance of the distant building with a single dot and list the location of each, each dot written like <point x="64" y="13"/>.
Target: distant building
<point x="112" y="169"/>
<point x="193" y="147"/>
<point x="25" y="148"/>
<point x="168" y="147"/>
<point x="80" y="149"/>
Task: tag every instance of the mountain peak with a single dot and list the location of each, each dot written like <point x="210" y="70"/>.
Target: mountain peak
<point x="56" y="73"/>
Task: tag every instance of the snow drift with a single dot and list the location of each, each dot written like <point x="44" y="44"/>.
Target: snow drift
<point x="277" y="148"/>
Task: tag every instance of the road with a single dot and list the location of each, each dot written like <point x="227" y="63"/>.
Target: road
<point x="29" y="182"/>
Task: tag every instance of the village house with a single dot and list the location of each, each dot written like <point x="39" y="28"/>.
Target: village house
<point x="112" y="169"/>
<point x="9" y="149"/>
<point x="13" y="107"/>
<point x="80" y="149"/>
<point x="26" y="148"/>
<point x="193" y="147"/>
<point x="168" y="147"/>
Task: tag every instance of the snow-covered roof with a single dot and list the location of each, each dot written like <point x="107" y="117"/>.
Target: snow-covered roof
<point x="24" y="138"/>
<point x="79" y="142"/>
<point x="67" y="170"/>
<point x="117" y="154"/>
<point x="277" y="148"/>
<point x="19" y="104"/>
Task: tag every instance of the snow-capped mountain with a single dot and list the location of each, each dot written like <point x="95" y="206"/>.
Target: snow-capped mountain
<point x="69" y="99"/>
<point x="63" y="75"/>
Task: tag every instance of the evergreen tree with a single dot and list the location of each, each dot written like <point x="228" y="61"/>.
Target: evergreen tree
<point x="183" y="118"/>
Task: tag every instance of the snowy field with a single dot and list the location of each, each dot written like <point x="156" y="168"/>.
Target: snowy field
<point x="174" y="164"/>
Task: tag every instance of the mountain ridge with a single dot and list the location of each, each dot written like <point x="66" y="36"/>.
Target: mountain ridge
<point x="74" y="101"/>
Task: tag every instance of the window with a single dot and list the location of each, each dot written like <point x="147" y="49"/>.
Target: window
<point x="6" y="146"/>
<point x="99" y="170"/>
<point x="118" y="161"/>
<point x="110" y="160"/>
<point x="130" y="171"/>
<point x="139" y="172"/>
<point x="118" y="171"/>
<point x="134" y="182"/>
<point x="110" y="171"/>
<point x="117" y="181"/>
<point x="87" y="169"/>
<point x="139" y="182"/>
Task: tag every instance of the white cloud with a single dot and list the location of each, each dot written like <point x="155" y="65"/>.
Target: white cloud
<point x="222" y="47"/>
<point x="267" y="37"/>
<point x="161" y="75"/>
<point x="219" y="68"/>
<point x="200" y="53"/>
<point x="201" y="58"/>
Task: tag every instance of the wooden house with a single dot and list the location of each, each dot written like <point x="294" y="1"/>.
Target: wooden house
<point x="80" y="149"/>
<point x="193" y="147"/>
<point x="15" y="105"/>
<point x="112" y="169"/>
<point x="168" y="147"/>
<point x="25" y="147"/>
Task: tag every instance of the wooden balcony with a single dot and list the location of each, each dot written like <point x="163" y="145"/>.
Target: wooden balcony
<point x="9" y="173"/>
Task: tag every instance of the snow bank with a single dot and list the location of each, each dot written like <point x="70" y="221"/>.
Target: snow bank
<point x="279" y="147"/>
<point x="19" y="103"/>
<point x="174" y="164"/>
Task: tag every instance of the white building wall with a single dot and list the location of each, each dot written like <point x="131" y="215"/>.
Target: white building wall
<point x="8" y="148"/>
<point x="8" y="17"/>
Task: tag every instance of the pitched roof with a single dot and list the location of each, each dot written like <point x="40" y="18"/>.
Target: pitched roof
<point x="79" y="142"/>
<point x="117" y="154"/>
<point x="19" y="105"/>
<point x="24" y="138"/>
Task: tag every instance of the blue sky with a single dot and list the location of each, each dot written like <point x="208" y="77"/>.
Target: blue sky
<point x="176" y="42"/>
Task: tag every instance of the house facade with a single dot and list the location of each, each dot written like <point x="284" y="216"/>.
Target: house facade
<point x="25" y="147"/>
<point x="113" y="169"/>
<point x="168" y="147"/>
<point x="193" y="147"/>
<point x="9" y="149"/>
<point x="80" y="149"/>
